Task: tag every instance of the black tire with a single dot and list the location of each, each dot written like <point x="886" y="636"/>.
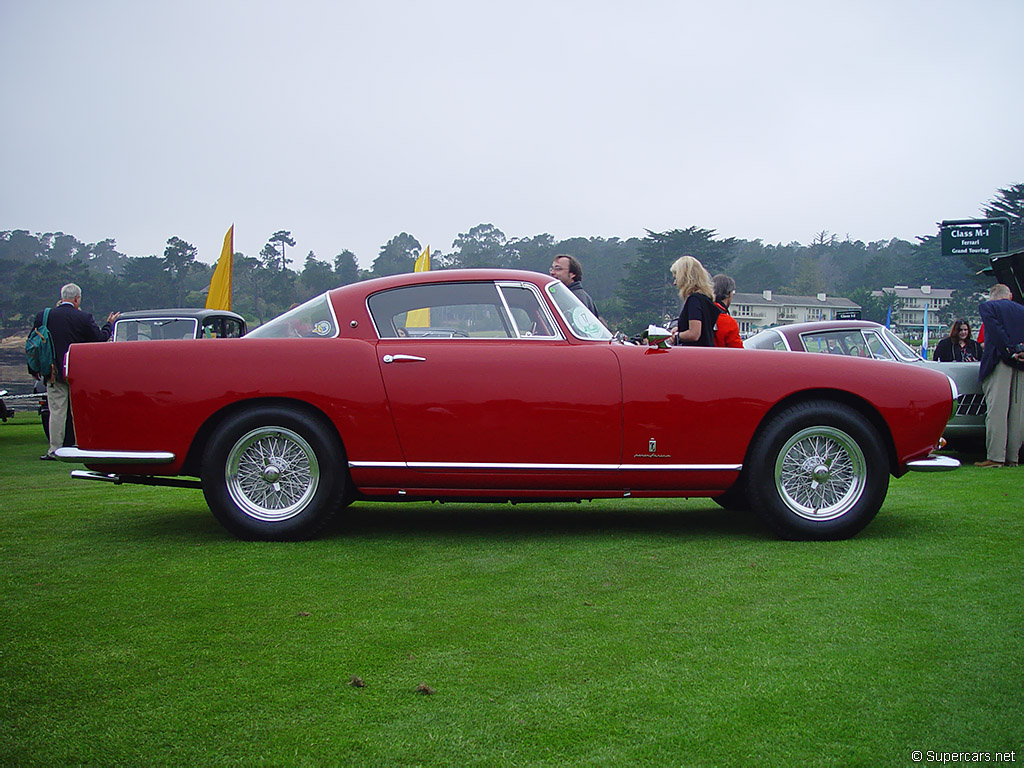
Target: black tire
<point x="817" y="471"/>
<point x="274" y="473"/>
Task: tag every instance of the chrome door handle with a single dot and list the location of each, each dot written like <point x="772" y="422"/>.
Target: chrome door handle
<point x="404" y="359"/>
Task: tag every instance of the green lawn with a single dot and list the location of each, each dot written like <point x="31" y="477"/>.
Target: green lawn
<point x="134" y="631"/>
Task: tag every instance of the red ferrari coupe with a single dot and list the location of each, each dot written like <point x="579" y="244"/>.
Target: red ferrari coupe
<point x="495" y="385"/>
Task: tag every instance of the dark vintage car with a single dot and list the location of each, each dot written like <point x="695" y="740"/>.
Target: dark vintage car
<point x="863" y="338"/>
<point x="167" y="324"/>
<point x="531" y="400"/>
<point x="156" y="325"/>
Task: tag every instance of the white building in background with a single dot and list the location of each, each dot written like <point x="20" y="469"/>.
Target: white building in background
<point x="909" y="319"/>
<point x="754" y="311"/>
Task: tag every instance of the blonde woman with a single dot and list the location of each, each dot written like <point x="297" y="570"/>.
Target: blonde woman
<point x="697" y="320"/>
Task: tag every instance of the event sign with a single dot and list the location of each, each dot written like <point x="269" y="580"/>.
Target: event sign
<point x="975" y="237"/>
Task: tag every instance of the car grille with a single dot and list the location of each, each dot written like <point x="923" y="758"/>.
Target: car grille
<point x="972" y="404"/>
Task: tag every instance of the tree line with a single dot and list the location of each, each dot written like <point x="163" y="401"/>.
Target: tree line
<point x="628" y="279"/>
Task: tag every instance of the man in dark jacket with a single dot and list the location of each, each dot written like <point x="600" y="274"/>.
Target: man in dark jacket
<point x="569" y="270"/>
<point x="1002" y="377"/>
<point x="68" y="325"/>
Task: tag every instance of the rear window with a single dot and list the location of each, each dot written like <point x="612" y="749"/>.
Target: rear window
<point x="155" y="329"/>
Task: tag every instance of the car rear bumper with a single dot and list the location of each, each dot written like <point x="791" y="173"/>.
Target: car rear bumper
<point x="78" y="456"/>
<point x="933" y="464"/>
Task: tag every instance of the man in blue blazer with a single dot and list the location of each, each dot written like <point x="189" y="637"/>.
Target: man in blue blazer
<point x="1002" y="377"/>
<point x="68" y="325"/>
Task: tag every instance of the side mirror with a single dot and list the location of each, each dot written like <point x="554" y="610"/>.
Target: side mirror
<point x="656" y="337"/>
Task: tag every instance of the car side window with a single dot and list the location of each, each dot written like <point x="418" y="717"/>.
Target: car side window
<point x="222" y="328"/>
<point x="877" y="348"/>
<point x="531" y="320"/>
<point x="441" y="311"/>
<point x="836" y="343"/>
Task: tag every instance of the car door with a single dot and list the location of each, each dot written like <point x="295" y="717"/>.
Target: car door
<point x="480" y="379"/>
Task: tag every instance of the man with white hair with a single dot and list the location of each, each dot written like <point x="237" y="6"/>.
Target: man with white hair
<point x="1002" y="377"/>
<point x="68" y="325"/>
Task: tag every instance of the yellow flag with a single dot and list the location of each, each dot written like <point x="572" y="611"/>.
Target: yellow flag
<point x="219" y="296"/>
<point x="420" y="318"/>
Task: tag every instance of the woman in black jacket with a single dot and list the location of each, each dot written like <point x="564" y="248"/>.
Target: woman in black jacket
<point x="696" y="327"/>
<point x="958" y="347"/>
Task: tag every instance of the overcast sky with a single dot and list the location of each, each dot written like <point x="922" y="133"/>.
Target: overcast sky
<point x="350" y="122"/>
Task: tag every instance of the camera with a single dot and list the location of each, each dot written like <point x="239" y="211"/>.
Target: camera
<point x="1015" y="349"/>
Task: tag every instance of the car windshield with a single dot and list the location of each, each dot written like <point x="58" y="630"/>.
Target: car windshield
<point x="581" y="321"/>
<point x="312" y="320"/>
<point x="899" y="346"/>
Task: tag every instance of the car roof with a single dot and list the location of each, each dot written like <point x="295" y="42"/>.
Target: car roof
<point x="185" y="312"/>
<point x="443" y="276"/>
<point x="822" y="325"/>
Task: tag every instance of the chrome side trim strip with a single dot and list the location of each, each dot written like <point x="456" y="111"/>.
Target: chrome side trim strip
<point x="685" y="467"/>
<point x="78" y="456"/>
<point x="548" y="467"/>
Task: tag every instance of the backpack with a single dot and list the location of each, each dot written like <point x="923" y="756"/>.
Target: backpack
<point x="42" y="358"/>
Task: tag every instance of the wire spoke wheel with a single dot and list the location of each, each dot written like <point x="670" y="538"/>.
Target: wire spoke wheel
<point x="820" y="473"/>
<point x="272" y="473"/>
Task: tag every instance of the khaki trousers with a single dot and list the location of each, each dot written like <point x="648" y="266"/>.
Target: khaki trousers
<point x="57" y="397"/>
<point x="1004" y="420"/>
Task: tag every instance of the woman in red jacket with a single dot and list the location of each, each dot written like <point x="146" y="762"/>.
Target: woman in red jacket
<point x="727" y="331"/>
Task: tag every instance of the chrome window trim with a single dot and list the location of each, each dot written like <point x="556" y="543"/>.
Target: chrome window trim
<point x="540" y="303"/>
<point x="462" y="339"/>
<point x="509" y="319"/>
<point x="866" y="332"/>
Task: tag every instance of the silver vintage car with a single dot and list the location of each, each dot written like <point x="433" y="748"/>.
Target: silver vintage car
<point x="863" y="338"/>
